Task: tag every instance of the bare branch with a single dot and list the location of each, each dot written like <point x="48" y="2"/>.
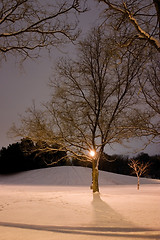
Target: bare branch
<point x="134" y="13"/>
<point x="28" y="25"/>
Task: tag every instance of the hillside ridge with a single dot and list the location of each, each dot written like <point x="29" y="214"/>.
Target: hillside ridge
<point x="69" y="176"/>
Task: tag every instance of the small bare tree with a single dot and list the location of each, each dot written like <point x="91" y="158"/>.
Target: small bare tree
<point x="138" y="168"/>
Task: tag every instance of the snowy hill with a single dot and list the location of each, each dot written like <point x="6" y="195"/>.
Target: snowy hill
<point x="69" y="176"/>
<point x="57" y="203"/>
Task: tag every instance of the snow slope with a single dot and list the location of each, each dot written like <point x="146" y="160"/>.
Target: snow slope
<point x="57" y="203"/>
<point x="69" y="176"/>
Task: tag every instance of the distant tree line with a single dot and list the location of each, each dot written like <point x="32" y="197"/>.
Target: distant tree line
<point x="26" y="155"/>
<point x="120" y="164"/>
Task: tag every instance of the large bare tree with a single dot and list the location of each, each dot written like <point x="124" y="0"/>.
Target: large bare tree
<point x="93" y="103"/>
<point x="135" y="20"/>
<point x="27" y="25"/>
<point x="94" y="97"/>
<point x="150" y="92"/>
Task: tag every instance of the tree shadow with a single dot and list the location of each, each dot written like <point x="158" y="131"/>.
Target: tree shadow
<point x="137" y="233"/>
<point x="104" y="215"/>
<point x="106" y="223"/>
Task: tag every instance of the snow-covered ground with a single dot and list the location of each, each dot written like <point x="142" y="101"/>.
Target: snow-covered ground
<point x="57" y="204"/>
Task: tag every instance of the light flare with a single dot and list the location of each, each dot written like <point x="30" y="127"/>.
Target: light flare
<point x="92" y="153"/>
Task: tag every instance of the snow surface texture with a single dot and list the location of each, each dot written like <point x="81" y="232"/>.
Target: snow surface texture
<point x="57" y="203"/>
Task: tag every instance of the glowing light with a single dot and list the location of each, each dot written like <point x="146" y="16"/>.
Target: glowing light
<point x="92" y="153"/>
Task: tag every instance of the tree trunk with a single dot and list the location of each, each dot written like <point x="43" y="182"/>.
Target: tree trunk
<point x="95" y="185"/>
<point x="138" y="183"/>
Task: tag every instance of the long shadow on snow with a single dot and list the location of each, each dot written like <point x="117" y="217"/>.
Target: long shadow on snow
<point x="106" y="222"/>
<point x="104" y="215"/>
<point x="94" y="231"/>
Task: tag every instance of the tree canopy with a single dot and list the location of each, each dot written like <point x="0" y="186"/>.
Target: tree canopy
<point x="26" y="26"/>
<point x="134" y="20"/>
<point x="94" y="100"/>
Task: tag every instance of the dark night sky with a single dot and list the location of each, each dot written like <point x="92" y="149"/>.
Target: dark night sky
<point x="19" y="87"/>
